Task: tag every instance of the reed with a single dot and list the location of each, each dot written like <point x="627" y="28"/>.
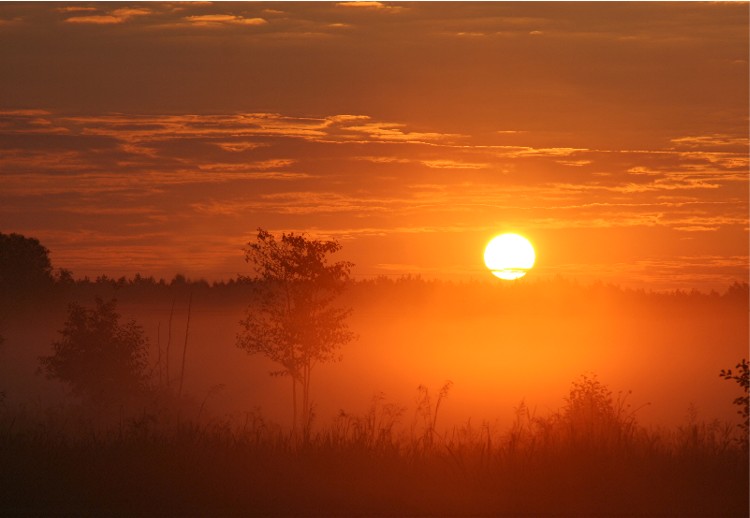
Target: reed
<point x="570" y="464"/>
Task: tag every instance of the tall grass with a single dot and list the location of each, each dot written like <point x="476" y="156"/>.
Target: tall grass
<point x="591" y="458"/>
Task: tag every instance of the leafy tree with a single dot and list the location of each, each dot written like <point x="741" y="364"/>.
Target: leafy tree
<point x="25" y="267"/>
<point x="742" y="377"/>
<point x="64" y="277"/>
<point x="294" y="321"/>
<point x="101" y="359"/>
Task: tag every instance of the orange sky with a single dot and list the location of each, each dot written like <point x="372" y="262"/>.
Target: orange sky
<point x="156" y="137"/>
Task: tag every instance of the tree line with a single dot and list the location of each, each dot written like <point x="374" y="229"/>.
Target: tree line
<point x="27" y="279"/>
<point x="295" y="315"/>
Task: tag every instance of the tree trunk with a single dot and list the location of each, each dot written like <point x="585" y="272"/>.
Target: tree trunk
<point x="306" y="399"/>
<point x="169" y="338"/>
<point x="184" y="349"/>
<point x="294" y="404"/>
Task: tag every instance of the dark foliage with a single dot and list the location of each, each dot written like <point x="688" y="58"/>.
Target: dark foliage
<point x="294" y="322"/>
<point x="363" y="467"/>
<point x="742" y="376"/>
<point x="103" y="361"/>
<point x="25" y="268"/>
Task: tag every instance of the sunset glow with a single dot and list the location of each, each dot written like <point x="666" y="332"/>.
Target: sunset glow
<point x="367" y="122"/>
<point x="370" y="258"/>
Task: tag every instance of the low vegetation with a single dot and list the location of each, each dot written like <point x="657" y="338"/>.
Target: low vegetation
<point x="129" y="442"/>
<point x="591" y="458"/>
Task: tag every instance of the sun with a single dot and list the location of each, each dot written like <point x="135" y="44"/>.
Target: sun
<point x="509" y="256"/>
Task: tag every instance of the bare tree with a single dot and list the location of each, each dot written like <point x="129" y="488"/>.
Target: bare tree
<point x="294" y="321"/>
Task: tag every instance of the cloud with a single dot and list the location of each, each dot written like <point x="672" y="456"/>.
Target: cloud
<point x="574" y="163"/>
<point x="317" y="202"/>
<point x="128" y="12"/>
<point x="335" y="128"/>
<point x="393" y="132"/>
<point x="75" y="9"/>
<point x="350" y="233"/>
<point x="385" y="126"/>
<point x="71" y="173"/>
<point x="385" y="159"/>
<point x="471" y="34"/>
<point x="713" y="159"/>
<point x="525" y="151"/>
<point x="166" y="127"/>
<point x="344" y="118"/>
<point x="223" y="19"/>
<point x="347" y="173"/>
<point x="363" y="4"/>
<point x="453" y="164"/>
<point x="96" y="19"/>
<point x="299" y="203"/>
<point x="437" y="163"/>
<point x="239" y="147"/>
<point x="278" y="163"/>
<point x="661" y="184"/>
<point x="697" y="228"/>
<point x="713" y="140"/>
<point x="641" y="170"/>
<point x="117" y="16"/>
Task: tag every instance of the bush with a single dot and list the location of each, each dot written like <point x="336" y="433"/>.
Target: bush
<point x="102" y="361"/>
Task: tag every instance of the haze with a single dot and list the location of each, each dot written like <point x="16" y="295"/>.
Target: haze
<point x="157" y="138"/>
<point x="192" y="166"/>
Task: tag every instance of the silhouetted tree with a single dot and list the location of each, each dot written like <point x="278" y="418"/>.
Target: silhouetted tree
<point x="25" y="267"/>
<point x="101" y="359"/>
<point x="742" y="377"/>
<point x="64" y="277"/>
<point x="738" y="292"/>
<point x="294" y="321"/>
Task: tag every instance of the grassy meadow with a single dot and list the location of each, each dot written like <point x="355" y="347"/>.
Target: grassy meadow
<point x="430" y="450"/>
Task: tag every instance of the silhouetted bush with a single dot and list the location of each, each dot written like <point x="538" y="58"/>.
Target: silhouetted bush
<point x="742" y="376"/>
<point x="103" y="361"/>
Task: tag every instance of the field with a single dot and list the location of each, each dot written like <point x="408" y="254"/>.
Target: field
<point x="361" y="468"/>
<point x="514" y="439"/>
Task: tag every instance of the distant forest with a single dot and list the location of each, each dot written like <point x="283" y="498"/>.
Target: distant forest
<point x="27" y="278"/>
